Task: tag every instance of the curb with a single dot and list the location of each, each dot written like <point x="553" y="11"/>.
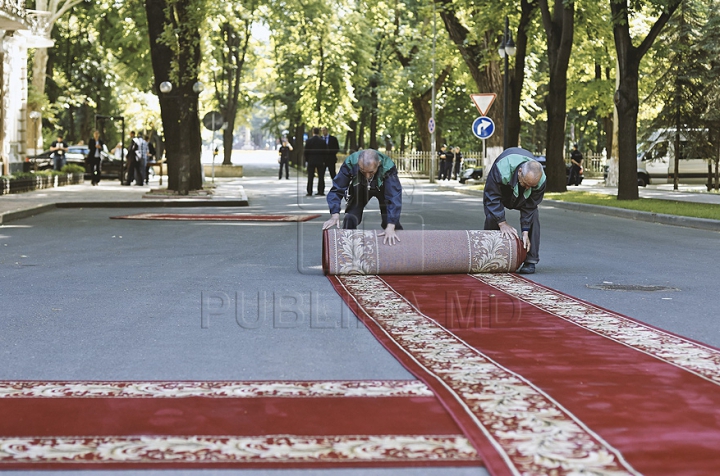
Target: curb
<point x="27" y="212"/>
<point x="675" y="220"/>
<point x="174" y="203"/>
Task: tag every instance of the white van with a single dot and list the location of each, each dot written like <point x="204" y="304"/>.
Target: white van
<point x="656" y="164"/>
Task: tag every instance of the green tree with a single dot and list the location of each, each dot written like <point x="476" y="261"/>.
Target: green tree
<point x="231" y="26"/>
<point x="681" y="88"/>
<point x="626" y="96"/>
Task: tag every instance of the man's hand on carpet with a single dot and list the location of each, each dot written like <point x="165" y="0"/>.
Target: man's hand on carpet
<point x="507" y="230"/>
<point x="334" y="220"/>
<point x="390" y="235"/>
<point x="526" y="240"/>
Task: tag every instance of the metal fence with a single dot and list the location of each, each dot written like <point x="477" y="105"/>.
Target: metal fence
<point x="593" y="163"/>
<point x="417" y="163"/>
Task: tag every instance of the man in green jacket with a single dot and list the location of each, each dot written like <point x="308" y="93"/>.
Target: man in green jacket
<point x="516" y="181"/>
<point x="363" y="175"/>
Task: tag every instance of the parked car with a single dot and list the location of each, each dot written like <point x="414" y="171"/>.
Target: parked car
<point x="471" y="173"/>
<point x="542" y="160"/>
<point x="76" y="154"/>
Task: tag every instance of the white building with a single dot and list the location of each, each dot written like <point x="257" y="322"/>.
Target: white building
<point x="20" y="29"/>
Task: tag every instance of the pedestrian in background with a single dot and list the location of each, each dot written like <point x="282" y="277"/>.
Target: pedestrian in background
<point x="458" y="162"/>
<point x="150" y="159"/>
<point x="132" y="160"/>
<point x="333" y="147"/>
<point x="59" y="147"/>
<point x="142" y="158"/>
<point x="94" y="157"/>
<point x="576" y="159"/>
<point x="442" y="156"/>
<point x="315" y="154"/>
<point x="284" y="158"/>
<point x="449" y="155"/>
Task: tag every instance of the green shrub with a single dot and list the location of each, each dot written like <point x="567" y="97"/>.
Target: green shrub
<point x="45" y="173"/>
<point x="23" y="175"/>
<point x="73" y="169"/>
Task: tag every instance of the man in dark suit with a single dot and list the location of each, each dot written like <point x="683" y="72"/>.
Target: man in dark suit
<point x="94" y="157"/>
<point x="315" y="154"/>
<point x="333" y="147"/>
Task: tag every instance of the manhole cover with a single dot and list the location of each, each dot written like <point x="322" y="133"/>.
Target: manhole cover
<point x="629" y="287"/>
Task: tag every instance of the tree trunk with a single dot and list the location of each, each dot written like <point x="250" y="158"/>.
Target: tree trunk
<point x="374" y="100"/>
<point x="423" y="112"/>
<point x="626" y="96"/>
<point x="559" y="27"/>
<point x="361" y="130"/>
<point x="299" y="147"/>
<point x="626" y="101"/>
<point x="179" y="108"/>
<point x="351" y="139"/>
<point x="517" y="76"/>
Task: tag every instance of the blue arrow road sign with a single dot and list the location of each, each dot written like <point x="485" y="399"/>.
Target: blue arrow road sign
<point x="483" y="127"/>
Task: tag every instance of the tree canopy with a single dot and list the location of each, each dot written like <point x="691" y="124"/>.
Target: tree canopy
<point x="364" y="69"/>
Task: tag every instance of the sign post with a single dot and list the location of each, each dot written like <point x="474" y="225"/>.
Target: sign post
<point x="483" y="127"/>
<point x="213" y="121"/>
<point x="431" y="129"/>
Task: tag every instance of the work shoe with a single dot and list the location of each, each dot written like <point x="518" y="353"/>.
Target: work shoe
<point x="527" y="268"/>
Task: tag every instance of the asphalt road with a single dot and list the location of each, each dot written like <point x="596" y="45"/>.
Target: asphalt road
<point x="85" y="297"/>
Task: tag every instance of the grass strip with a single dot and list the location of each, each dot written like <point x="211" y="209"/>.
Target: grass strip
<point x="653" y="205"/>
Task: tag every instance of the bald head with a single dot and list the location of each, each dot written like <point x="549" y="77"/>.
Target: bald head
<point x="530" y="173"/>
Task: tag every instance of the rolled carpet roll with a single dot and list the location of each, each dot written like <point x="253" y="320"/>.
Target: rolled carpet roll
<point x="420" y="252"/>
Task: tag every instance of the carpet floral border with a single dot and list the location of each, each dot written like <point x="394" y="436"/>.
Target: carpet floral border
<point x="691" y="356"/>
<point x="214" y="389"/>
<point x="533" y="433"/>
<point x="234" y="449"/>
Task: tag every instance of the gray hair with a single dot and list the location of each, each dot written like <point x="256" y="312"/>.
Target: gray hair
<point x="532" y="171"/>
<point x="369" y="157"/>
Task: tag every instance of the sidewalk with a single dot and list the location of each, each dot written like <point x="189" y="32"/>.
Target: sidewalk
<point x="110" y="194"/>
<point x="686" y="193"/>
<point x="230" y="193"/>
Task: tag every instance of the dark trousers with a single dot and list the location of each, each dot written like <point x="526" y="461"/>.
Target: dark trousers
<point x="330" y="164"/>
<point x="456" y="172"/>
<point x="533" y="255"/>
<point x="94" y="163"/>
<point x="312" y="167"/>
<point x="284" y="163"/>
<point x="134" y="171"/>
<point x="574" y="177"/>
<point x="359" y="198"/>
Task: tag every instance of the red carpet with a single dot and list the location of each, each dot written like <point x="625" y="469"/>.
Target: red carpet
<point x="61" y="425"/>
<point x="210" y="217"/>
<point x="543" y="383"/>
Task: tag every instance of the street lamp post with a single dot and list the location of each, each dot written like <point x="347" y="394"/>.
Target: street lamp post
<point x="506" y="50"/>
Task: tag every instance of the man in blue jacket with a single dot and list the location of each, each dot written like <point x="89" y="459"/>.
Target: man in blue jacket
<point x="516" y="181"/>
<point x="363" y="175"/>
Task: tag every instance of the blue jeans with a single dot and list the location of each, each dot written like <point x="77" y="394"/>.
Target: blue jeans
<point x="58" y="162"/>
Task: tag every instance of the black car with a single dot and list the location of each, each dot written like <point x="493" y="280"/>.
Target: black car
<point x="541" y="159"/>
<point x="76" y="154"/>
<point x="471" y="173"/>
